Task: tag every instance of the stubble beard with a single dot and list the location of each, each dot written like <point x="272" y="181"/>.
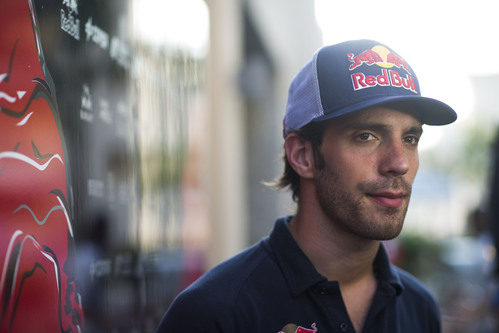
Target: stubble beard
<point x="355" y="212"/>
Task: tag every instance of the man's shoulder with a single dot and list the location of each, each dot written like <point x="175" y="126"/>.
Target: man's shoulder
<point x="213" y="298"/>
<point x="225" y="280"/>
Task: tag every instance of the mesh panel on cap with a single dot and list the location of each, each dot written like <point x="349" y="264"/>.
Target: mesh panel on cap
<point x="304" y="103"/>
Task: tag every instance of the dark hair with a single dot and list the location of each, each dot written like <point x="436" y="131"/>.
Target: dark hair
<point x="314" y="133"/>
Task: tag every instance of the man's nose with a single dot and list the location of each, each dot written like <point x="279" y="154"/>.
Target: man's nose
<point x="395" y="159"/>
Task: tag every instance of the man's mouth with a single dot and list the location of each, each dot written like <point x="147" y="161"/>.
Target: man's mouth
<point x="388" y="199"/>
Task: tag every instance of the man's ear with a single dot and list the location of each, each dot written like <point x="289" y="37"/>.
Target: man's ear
<point x="300" y="155"/>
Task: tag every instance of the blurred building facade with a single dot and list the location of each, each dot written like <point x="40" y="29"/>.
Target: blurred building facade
<point x="255" y="49"/>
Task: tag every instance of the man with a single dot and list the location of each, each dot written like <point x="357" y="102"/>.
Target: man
<point x="352" y="125"/>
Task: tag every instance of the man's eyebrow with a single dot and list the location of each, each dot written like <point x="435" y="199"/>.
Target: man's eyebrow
<point x="418" y="130"/>
<point x="378" y="127"/>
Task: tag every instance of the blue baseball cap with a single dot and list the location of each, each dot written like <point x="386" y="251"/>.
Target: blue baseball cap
<point x="355" y="75"/>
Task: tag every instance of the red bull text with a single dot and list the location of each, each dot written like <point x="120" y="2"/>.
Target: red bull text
<point x="386" y="78"/>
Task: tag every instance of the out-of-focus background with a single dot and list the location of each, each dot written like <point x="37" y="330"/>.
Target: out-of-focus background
<point x="171" y="120"/>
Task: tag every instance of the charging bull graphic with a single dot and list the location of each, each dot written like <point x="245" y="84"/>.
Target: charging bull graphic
<point x="38" y="290"/>
<point x="292" y="328"/>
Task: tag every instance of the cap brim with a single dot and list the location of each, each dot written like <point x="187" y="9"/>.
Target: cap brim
<point x="428" y="110"/>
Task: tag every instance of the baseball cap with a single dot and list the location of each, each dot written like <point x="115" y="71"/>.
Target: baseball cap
<point x="355" y="75"/>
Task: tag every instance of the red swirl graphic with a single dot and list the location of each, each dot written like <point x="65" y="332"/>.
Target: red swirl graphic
<point x="38" y="290"/>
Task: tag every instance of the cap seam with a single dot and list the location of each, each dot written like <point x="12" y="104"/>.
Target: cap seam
<point x="318" y="91"/>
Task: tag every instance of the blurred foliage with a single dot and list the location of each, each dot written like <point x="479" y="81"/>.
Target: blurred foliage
<point x="470" y="155"/>
<point x="162" y="169"/>
<point x="420" y="255"/>
<point x="475" y="157"/>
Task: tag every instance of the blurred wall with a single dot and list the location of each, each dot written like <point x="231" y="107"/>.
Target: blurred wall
<point x="227" y="156"/>
<point x="256" y="48"/>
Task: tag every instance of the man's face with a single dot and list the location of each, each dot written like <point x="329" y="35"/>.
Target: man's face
<point x="371" y="160"/>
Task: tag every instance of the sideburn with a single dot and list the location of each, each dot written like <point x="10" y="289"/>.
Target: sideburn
<point x="320" y="162"/>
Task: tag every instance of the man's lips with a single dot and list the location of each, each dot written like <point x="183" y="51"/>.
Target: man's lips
<point x="388" y="199"/>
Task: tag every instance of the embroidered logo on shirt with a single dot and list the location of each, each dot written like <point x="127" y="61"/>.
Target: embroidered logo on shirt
<point x="292" y="328"/>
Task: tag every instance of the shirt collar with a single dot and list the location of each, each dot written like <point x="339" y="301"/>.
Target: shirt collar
<point x="386" y="272"/>
<point x="296" y="267"/>
<point x="301" y="274"/>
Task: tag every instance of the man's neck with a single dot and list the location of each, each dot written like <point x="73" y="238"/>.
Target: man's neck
<point x="335" y="253"/>
<point x="340" y="256"/>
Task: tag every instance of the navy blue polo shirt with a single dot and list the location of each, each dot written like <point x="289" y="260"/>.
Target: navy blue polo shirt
<point x="273" y="287"/>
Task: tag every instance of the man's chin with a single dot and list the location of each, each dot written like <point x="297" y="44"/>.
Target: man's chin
<point x="389" y="228"/>
<point x="379" y="235"/>
<point x="383" y="224"/>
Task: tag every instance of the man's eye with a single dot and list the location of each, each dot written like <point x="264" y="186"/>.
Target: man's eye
<point x="413" y="140"/>
<point x="366" y="137"/>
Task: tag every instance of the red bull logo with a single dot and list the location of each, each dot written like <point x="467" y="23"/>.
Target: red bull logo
<point x="292" y="328"/>
<point x="378" y="55"/>
<point x="386" y="59"/>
